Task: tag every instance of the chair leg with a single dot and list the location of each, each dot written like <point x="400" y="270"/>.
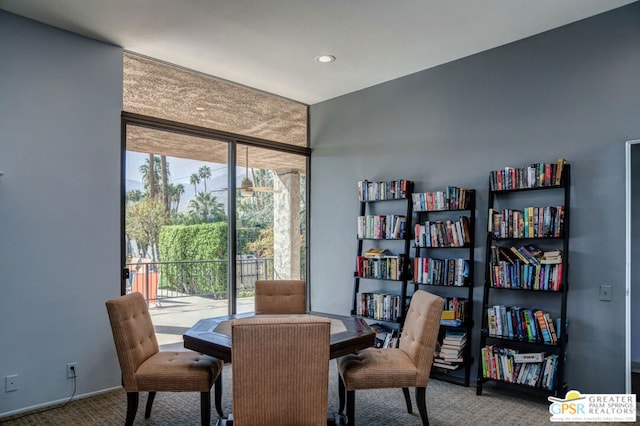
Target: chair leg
<point x="341" y="393"/>
<point x="218" y="395"/>
<point x="407" y="400"/>
<point x="205" y="408"/>
<point x="150" y="398"/>
<point x="421" y="400"/>
<point x="132" y="407"/>
<point x="351" y="407"/>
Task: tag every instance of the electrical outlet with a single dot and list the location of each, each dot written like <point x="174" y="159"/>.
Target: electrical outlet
<point x="605" y="293"/>
<point x="72" y="370"/>
<point x="11" y="383"/>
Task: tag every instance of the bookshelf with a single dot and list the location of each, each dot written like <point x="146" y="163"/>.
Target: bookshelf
<point x="382" y="259"/>
<point x="444" y="242"/>
<point x="523" y="337"/>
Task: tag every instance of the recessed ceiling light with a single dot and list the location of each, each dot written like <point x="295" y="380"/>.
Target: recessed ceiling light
<point x="325" y="59"/>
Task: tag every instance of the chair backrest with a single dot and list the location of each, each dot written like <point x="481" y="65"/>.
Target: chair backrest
<point x="420" y="332"/>
<point x="133" y="334"/>
<point x="280" y="370"/>
<point x="280" y="297"/>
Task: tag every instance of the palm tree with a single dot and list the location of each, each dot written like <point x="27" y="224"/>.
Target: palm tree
<point x="206" y="208"/>
<point x="151" y="175"/>
<point x="176" y="192"/>
<point x="204" y="173"/>
<point x="194" y="180"/>
<point x="164" y="171"/>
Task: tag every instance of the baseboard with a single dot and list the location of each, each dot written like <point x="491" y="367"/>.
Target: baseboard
<point x="59" y="401"/>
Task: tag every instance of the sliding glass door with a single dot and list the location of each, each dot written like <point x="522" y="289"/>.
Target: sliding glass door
<point x="185" y="249"/>
<point x="270" y="218"/>
<point x="177" y="226"/>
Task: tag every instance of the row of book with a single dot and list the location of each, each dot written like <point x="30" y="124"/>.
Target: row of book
<point x="443" y="233"/>
<point x="529" y="254"/>
<point x="382" y="227"/>
<point x="455" y="311"/>
<point x="453" y="198"/>
<point x="431" y="271"/>
<point x="384" y="268"/>
<point x="392" y="190"/>
<point x="530" y="222"/>
<point x="528" y="325"/>
<point x="526" y="277"/>
<point x="449" y="353"/>
<point x="380" y="306"/>
<point x="506" y="364"/>
<point x="533" y="176"/>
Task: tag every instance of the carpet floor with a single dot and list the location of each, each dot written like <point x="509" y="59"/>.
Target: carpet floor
<point x="447" y="405"/>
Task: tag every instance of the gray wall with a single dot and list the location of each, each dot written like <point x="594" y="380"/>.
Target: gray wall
<point x="60" y="103"/>
<point x="573" y="92"/>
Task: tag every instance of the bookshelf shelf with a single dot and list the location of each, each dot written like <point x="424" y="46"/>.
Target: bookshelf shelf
<point x="527" y="255"/>
<point x="444" y="242"/>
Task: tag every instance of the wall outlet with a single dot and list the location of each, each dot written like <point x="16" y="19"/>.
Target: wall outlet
<point x="11" y="383"/>
<point x="72" y="370"/>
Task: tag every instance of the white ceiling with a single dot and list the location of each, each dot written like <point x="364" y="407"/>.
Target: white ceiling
<point x="271" y="44"/>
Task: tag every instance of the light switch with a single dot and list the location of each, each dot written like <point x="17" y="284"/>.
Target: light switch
<point x="605" y="293"/>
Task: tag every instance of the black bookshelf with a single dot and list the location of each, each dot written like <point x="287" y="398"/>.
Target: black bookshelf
<point x="447" y="254"/>
<point x="391" y="200"/>
<point x="520" y="285"/>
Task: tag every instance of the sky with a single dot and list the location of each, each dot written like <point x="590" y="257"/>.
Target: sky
<point x="181" y="170"/>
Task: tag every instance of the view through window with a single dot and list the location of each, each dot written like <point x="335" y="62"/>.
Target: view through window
<point x="177" y="221"/>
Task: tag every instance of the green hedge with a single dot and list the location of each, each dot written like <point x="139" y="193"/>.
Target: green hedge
<point x="203" y="242"/>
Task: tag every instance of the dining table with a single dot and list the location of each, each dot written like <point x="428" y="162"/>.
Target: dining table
<point x="212" y="336"/>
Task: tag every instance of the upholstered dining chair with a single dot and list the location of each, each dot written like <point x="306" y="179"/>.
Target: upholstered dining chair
<point x="280" y="297"/>
<point x="280" y="371"/>
<point x="146" y="369"/>
<point x="408" y="365"/>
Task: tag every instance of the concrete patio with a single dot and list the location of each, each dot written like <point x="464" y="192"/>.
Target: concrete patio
<point x="173" y="316"/>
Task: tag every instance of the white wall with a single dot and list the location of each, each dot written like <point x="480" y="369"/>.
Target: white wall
<point x="60" y="104"/>
<point x="573" y="92"/>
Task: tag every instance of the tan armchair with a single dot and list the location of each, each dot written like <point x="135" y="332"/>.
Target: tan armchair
<point x="409" y="365"/>
<point x="280" y="371"/>
<point x="280" y="297"/>
<point x="145" y="368"/>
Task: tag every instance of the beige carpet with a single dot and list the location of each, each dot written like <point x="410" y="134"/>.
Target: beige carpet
<point x="447" y="404"/>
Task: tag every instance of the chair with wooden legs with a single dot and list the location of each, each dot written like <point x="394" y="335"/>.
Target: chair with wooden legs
<point x="146" y="369"/>
<point x="408" y="365"/>
<point x="280" y="370"/>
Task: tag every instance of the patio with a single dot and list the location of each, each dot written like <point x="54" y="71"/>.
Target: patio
<point x="173" y="316"/>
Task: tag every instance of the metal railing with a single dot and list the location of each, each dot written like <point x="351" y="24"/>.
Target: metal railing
<point x="205" y="278"/>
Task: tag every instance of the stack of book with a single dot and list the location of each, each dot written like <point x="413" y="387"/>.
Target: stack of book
<point x="455" y="311"/>
<point x="526" y="267"/>
<point x="450" y="353"/>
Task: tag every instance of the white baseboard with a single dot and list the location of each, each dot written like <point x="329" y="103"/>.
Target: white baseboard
<point x="59" y="401"/>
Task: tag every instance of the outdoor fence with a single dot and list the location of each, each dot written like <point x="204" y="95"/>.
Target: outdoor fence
<point x="205" y="278"/>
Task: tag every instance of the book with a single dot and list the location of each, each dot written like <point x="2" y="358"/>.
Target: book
<point x="528" y="357"/>
<point x="446" y="366"/>
<point x="559" y="167"/>
<point x="374" y="253"/>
